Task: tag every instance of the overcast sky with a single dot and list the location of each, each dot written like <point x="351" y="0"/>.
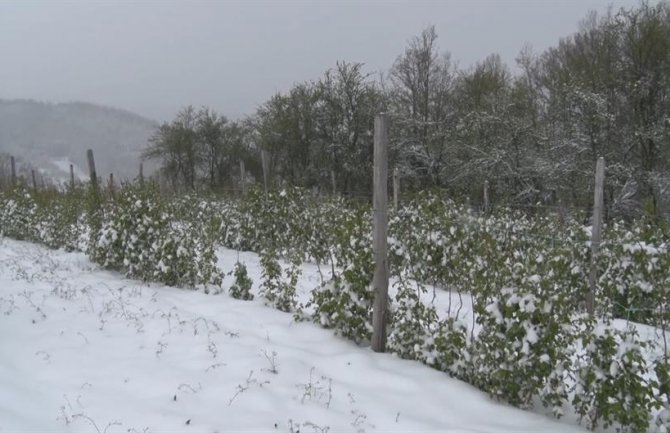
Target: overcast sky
<point x="154" y="57"/>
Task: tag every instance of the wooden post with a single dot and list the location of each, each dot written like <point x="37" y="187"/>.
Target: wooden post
<point x="486" y="196"/>
<point x="32" y="175"/>
<point x="380" y="225"/>
<point x="91" y="169"/>
<point x="264" y="165"/>
<point x="396" y="188"/>
<point x="71" y="176"/>
<point x="243" y="179"/>
<point x="333" y="183"/>
<point x="12" y="163"/>
<point x="561" y="212"/>
<point x="595" y="233"/>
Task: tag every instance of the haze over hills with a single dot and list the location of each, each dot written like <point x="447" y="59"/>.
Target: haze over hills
<point x="51" y="136"/>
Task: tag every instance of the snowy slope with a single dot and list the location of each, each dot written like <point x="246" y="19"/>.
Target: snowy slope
<point x="62" y="170"/>
<point x="84" y="350"/>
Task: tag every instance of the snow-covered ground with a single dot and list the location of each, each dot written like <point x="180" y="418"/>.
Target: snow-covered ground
<point x="59" y="170"/>
<point x="85" y="350"/>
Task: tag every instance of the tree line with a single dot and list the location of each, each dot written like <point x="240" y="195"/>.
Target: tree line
<point x="534" y="132"/>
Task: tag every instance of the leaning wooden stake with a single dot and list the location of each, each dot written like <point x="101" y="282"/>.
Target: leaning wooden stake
<point x="380" y="225"/>
<point x="32" y="175"/>
<point x="595" y="234"/>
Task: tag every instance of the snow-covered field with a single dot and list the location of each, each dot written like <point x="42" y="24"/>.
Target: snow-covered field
<point x="85" y="350"/>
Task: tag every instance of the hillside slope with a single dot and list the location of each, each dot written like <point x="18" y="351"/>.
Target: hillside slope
<point x="51" y="136"/>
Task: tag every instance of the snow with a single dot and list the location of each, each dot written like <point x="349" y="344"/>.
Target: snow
<point x="85" y="350"/>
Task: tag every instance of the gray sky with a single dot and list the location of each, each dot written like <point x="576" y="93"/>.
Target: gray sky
<point x="154" y="57"/>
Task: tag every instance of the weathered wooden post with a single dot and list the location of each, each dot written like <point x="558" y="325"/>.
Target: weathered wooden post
<point x="32" y="175"/>
<point x="486" y="197"/>
<point x="91" y="168"/>
<point x="595" y="233"/>
<point x="380" y="225"/>
<point x="396" y="188"/>
<point x="12" y="163"/>
<point x="561" y="212"/>
<point x="71" y="176"/>
<point x="243" y="180"/>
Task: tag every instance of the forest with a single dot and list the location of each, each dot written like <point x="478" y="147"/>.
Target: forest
<point x="533" y="130"/>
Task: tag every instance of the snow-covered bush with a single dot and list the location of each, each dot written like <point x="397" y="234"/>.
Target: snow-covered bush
<point x="289" y="221"/>
<point x="433" y="240"/>
<point x="635" y="263"/>
<point x="417" y="333"/>
<point x="141" y="236"/>
<point x="277" y="291"/>
<point x="241" y="288"/>
<point x="340" y="306"/>
<point x="414" y="324"/>
<point x="522" y="348"/>
<point x="612" y="382"/>
<point x="345" y="303"/>
<point x="18" y="215"/>
<point x="49" y="216"/>
<point x="662" y="418"/>
<point x="61" y="218"/>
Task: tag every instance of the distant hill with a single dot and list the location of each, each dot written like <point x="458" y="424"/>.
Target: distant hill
<point x="52" y="136"/>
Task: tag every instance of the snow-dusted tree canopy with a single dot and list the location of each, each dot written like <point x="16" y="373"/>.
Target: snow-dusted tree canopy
<point x="533" y="131"/>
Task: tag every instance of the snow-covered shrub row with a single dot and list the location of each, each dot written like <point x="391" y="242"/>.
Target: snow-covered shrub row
<point x="528" y="278"/>
<point x="135" y="232"/>
<point x="149" y="238"/>
<point x="524" y="295"/>
<point x="289" y="221"/>
<point x="49" y="217"/>
<point x="298" y="226"/>
<point x="634" y="271"/>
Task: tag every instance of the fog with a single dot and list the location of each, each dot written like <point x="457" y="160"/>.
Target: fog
<point x="154" y="57"/>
